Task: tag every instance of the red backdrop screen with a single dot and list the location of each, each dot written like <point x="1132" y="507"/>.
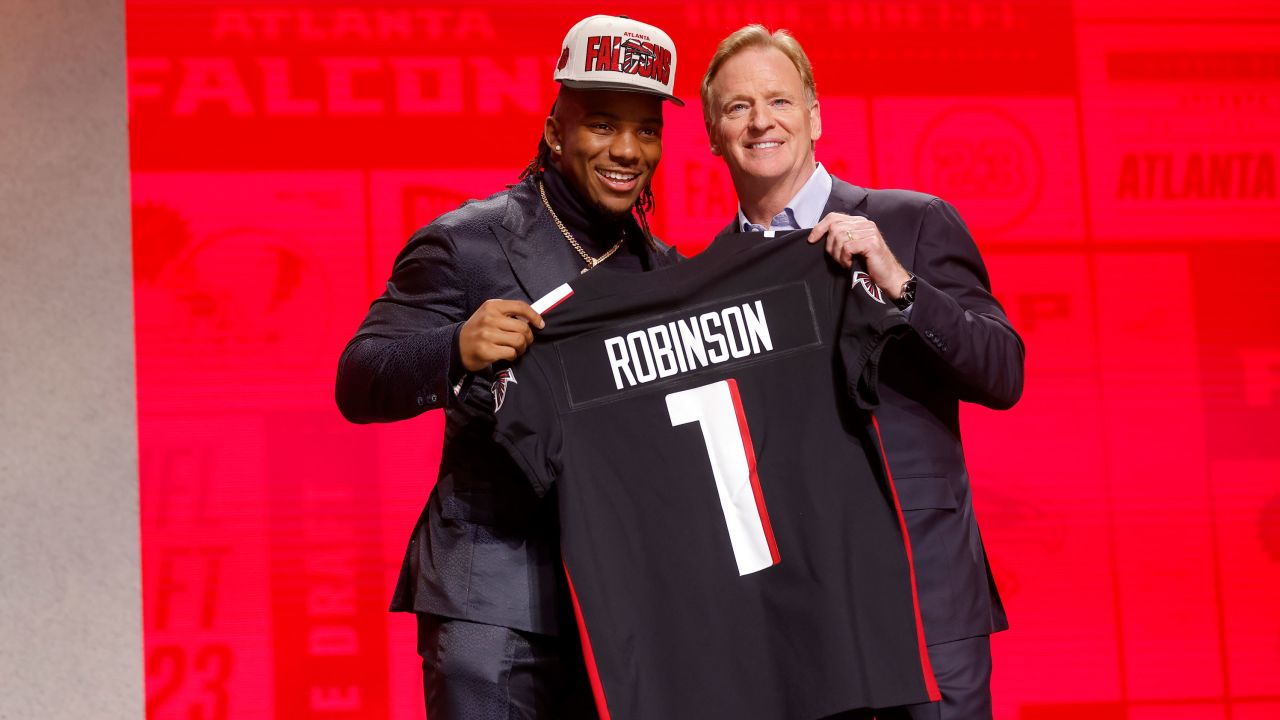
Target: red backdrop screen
<point x="1115" y="163"/>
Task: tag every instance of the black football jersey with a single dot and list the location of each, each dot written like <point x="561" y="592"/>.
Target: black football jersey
<point x="730" y="533"/>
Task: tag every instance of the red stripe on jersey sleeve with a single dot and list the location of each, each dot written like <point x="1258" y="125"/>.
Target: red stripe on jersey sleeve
<point x="597" y="688"/>
<point x="930" y="682"/>
<point x="750" y="452"/>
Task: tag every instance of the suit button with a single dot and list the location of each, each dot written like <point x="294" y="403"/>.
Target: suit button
<point x="420" y="402"/>
<point x="433" y="399"/>
<point x="928" y="334"/>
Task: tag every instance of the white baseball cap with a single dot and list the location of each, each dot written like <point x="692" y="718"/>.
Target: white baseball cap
<point x="606" y="52"/>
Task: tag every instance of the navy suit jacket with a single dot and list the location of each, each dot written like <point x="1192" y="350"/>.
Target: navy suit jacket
<point x="485" y="548"/>
<point x="963" y="348"/>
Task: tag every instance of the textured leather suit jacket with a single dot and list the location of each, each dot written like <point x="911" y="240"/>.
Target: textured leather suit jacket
<point x="485" y="548"/>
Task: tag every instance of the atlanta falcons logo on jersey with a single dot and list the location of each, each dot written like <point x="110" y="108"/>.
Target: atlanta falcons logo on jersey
<point x="499" y="387"/>
<point x="869" y="285"/>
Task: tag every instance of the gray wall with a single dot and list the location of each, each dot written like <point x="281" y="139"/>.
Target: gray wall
<point x="70" y="610"/>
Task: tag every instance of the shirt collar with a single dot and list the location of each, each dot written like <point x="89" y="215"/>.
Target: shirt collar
<point x="802" y="211"/>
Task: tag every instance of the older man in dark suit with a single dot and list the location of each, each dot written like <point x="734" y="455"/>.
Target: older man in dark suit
<point x="482" y="568"/>
<point x="761" y="110"/>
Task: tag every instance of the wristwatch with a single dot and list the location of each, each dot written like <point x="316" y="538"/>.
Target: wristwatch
<point x="907" y="295"/>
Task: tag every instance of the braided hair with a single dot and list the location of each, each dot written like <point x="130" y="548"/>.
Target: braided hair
<point x="644" y="204"/>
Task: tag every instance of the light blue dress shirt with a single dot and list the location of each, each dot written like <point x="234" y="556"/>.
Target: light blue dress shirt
<point x="802" y="211"/>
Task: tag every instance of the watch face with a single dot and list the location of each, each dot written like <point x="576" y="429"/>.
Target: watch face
<point x="908" y="294"/>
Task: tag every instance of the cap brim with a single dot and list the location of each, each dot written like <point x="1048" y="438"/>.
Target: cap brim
<point x="623" y="87"/>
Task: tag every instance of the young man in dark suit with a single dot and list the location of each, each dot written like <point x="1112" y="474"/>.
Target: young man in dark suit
<point x="761" y="110"/>
<point x="482" y="569"/>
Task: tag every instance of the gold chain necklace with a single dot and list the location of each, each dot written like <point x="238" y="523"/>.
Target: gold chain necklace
<point x="590" y="261"/>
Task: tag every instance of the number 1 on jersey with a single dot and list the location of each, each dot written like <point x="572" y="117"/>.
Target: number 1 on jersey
<point x="717" y="408"/>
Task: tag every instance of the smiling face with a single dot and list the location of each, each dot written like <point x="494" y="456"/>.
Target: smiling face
<point x="762" y="124"/>
<point x="610" y="144"/>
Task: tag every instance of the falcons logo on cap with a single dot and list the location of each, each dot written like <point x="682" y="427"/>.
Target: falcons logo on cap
<point x="868" y="285"/>
<point x="564" y="59"/>
<point x="499" y="387"/>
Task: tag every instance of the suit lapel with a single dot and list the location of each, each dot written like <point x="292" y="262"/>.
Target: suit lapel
<point x="853" y="200"/>
<point x="845" y="198"/>
<point x="523" y="235"/>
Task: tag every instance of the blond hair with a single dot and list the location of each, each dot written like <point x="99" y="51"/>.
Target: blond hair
<point x="758" y="36"/>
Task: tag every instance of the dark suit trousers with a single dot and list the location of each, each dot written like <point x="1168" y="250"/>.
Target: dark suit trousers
<point x="473" y="671"/>
<point x="963" y="670"/>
